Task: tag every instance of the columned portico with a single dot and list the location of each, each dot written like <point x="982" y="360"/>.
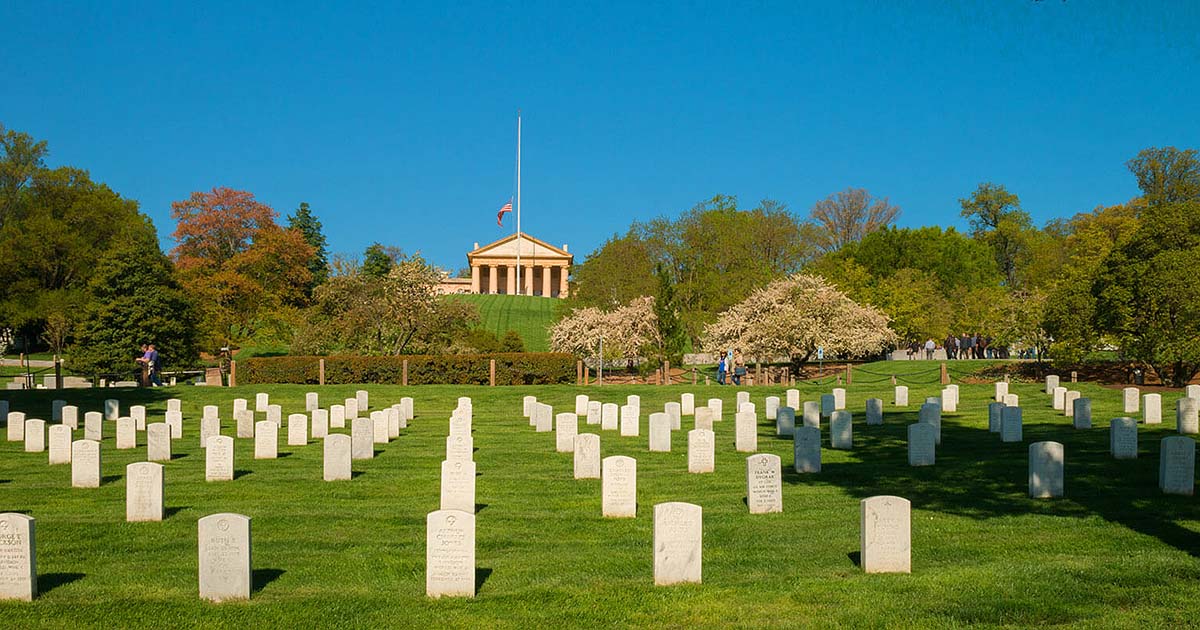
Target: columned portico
<point x="544" y="268"/>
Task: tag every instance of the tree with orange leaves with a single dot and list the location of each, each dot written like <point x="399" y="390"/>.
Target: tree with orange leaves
<point x="248" y="274"/>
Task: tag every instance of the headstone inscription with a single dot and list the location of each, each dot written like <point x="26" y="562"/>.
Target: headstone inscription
<point x="618" y="487"/>
<point x="587" y="456"/>
<point x="764" y="483"/>
<point x="1045" y="470"/>
<point x="143" y="492"/>
<point x="450" y="554"/>
<point x="224" y="541"/>
<point x="886" y="535"/>
<point x="18" y="557"/>
<point x="678" y="536"/>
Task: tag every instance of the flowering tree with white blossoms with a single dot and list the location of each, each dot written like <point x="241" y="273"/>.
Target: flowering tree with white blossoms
<point x="628" y="331"/>
<point x="794" y="316"/>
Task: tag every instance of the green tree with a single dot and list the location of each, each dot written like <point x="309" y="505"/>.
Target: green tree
<point x="996" y="218"/>
<point x="671" y="338"/>
<point x="1147" y="289"/>
<point x="305" y="222"/>
<point x="135" y="299"/>
<point x="376" y="261"/>
<point x="512" y="342"/>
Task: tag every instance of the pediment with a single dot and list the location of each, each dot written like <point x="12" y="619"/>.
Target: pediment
<point x="530" y="247"/>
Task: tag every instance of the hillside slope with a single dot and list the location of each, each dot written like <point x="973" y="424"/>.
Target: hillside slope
<point x="529" y="316"/>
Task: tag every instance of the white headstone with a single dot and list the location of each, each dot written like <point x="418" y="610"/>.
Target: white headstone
<point x="337" y="417"/>
<point x="1058" y="402"/>
<point x="1192" y="391"/>
<point x="886" y="535"/>
<point x="635" y="401"/>
<point x="747" y="407"/>
<point x="93" y="425"/>
<point x="806" y="449"/>
<point x="595" y="410"/>
<point x="1187" y="418"/>
<point x="1152" y="408"/>
<point x="297" y="429"/>
<point x="395" y="419"/>
<point x="218" y="459"/>
<point x="126" y="433"/>
<point x="245" y="423"/>
<point x="224" y="556"/>
<point x="742" y="397"/>
<point x="450" y="554"/>
<point x="112" y="409"/>
<point x="812" y="414"/>
<point x="16" y="426"/>
<point x="900" y="397"/>
<point x="931" y="414"/>
<point x="336" y="453"/>
<point x="717" y="407"/>
<point x="35" y="436"/>
<point x="1069" y="399"/>
<point x="1012" y="400"/>
<point x="175" y="421"/>
<point x="630" y="421"/>
<point x="174" y="404"/>
<point x="70" y="416"/>
<point x="143" y="492"/>
<point x="266" y="440"/>
<point x="352" y="410"/>
<point x="793" y="398"/>
<point x="1081" y="412"/>
<point x="362" y="397"/>
<point x="261" y="402"/>
<point x="138" y="413"/>
<point x="581" y="405"/>
<point x="995" y="409"/>
<point x="764" y="483"/>
<point x="60" y="444"/>
<point x="609" y="420"/>
<point x="618" y="487"/>
<point x="949" y="400"/>
<point x="874" y="411"/>
<point x="1123" y="438"/>
<point x="1130" y="397"/>
<point x="460" y="447"/>
<point x="362" y="436"/>
<point x="745" y="432"/>
<point x="785" y="422"/>
<point x="701" y="452"/>
<point x="18" y="558"/>
<point x="85" y="464"/>
<point x="458" y="485"/>
<point x="275" y="414"/>
<point x="56" y="407"/>
<point x="771" y="407"/>
<point x="587" y="456"/>
<point x="566" y="427"/>
<point x="675" y="412"/>
<point x="687" y="404"/>
<point x="839" y="398"/>
<point x="1177" y="465"/>
<point x="841" y="430"/>
<point x="922" y="450"/>
<point x="1045" y="470"/>
<point x="828" y="405"/>
<point x="527" y="407"/>
<point x="660" y="432"/>
<point x="1051" y="383"/>
<point x="381" y="427"/>
<point x="1001" y="390"/>
<point x="406" y="406"/>
<point x="211" y="411"/>
<point x="1010" y="424"/>
<point x="158" y="442"/>
<point x="678" y="536"/>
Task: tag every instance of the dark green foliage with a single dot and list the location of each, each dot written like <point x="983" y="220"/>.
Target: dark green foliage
<point x="511" y="342"/>
<point x="309" y="226"/>
<point x="670" y="328"/>
<point x="464" y="369"/>
<point x="134" y="299"/>
<point x="376" y="262"/>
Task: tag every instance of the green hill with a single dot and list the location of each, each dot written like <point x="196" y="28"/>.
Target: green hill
<point x="529" y="316"/>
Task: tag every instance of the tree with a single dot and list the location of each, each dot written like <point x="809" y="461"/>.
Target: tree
<point x="794" y="316"/>
<point x="1147" y="290"/>
<point x="671" y="336"/>
<point x="21" y="157"/>
<point x="307" y="224"/>
<point x="376" y="261"/>
<point x="135" y="300"/>
<point x="627" y="331"/>
<point x="848" y="216"/>
<point x="996" y="218"/>
<point x="249" y="276"/>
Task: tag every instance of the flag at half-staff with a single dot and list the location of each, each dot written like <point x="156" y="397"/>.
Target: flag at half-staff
<point x="500" y="215"/>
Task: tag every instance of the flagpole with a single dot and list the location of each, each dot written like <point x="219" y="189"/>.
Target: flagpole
<point x="520" y="291"/>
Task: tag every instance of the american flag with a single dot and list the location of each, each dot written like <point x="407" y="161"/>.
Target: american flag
<point x="500" y="215"/>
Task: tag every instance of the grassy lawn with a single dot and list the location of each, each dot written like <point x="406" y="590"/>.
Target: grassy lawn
<point x="529" y="316"/>
<point x="1114" y="552"/>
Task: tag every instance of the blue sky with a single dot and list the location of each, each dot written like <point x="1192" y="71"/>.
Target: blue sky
<point x="396" y="122"/>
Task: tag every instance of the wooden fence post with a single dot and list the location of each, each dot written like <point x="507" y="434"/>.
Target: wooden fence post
<point x="233" y="373"/>
<point x="849" y="375"/>
<point x="945" y="375"/>
<point x="321" y="372"/>
<point x="404" y="373"/>
<point x="693" y="375"/>
<point x="579" y="372"/>
<point x="492" y="372"/>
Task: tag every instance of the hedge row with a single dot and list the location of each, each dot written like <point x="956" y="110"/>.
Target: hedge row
<point x="512" y="368"/>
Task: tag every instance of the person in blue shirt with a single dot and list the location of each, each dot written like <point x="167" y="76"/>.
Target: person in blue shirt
<point x="152" y="364"/>
<point x="721" y="369"/>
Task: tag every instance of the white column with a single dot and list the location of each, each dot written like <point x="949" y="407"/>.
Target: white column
<point x="562" y="282"/>
<point x="511" y="277"/>
<point x="546" y="269"/>
<point x="474" y="278"/>
<point x="527" y="279"/>
<point x="493" y="279"/>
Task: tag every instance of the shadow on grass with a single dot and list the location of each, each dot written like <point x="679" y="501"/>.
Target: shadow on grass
<point x="175" y="456"/>
<point x="282" y="454"/>
<point x="259" y="578"/>
<point x="481" y="576"/>
<point x="238" y="474"/>
<point x="5" y="480"/>
<point x="479" y="507"/>
<point x="172" y="511"/>
<point x="978" y="476"/>
<point x="107" y="479"/>
<point x="855" y="558"/>
<point x="355" y="474"/>
<point x="47" y="582"/>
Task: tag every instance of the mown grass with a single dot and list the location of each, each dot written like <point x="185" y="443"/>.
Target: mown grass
<point x="1114" y="552"/>
<point x="529" y="316"/>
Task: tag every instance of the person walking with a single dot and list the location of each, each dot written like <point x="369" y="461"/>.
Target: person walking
<point x="739" y="366"/>
<point x="153" y="366"/>
<point x="930" y="346"/>
<point x="721" y="369"/>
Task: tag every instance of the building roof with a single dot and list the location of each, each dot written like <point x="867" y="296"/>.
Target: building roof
<point x="531" y="247"/>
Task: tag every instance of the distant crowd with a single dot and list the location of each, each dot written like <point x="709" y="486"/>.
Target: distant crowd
<point x="966" y="346"/>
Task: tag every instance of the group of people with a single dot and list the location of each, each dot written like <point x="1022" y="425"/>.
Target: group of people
<point x="965" y="346"/>
<point x="150" y="366"/>
<point x="733" y="364"/>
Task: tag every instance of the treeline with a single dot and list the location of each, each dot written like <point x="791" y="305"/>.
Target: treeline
<point x="83" y="274"/>
<point x="1118" y="278"/>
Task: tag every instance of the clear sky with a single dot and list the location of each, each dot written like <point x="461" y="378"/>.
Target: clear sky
<point x="397" y="122"/>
